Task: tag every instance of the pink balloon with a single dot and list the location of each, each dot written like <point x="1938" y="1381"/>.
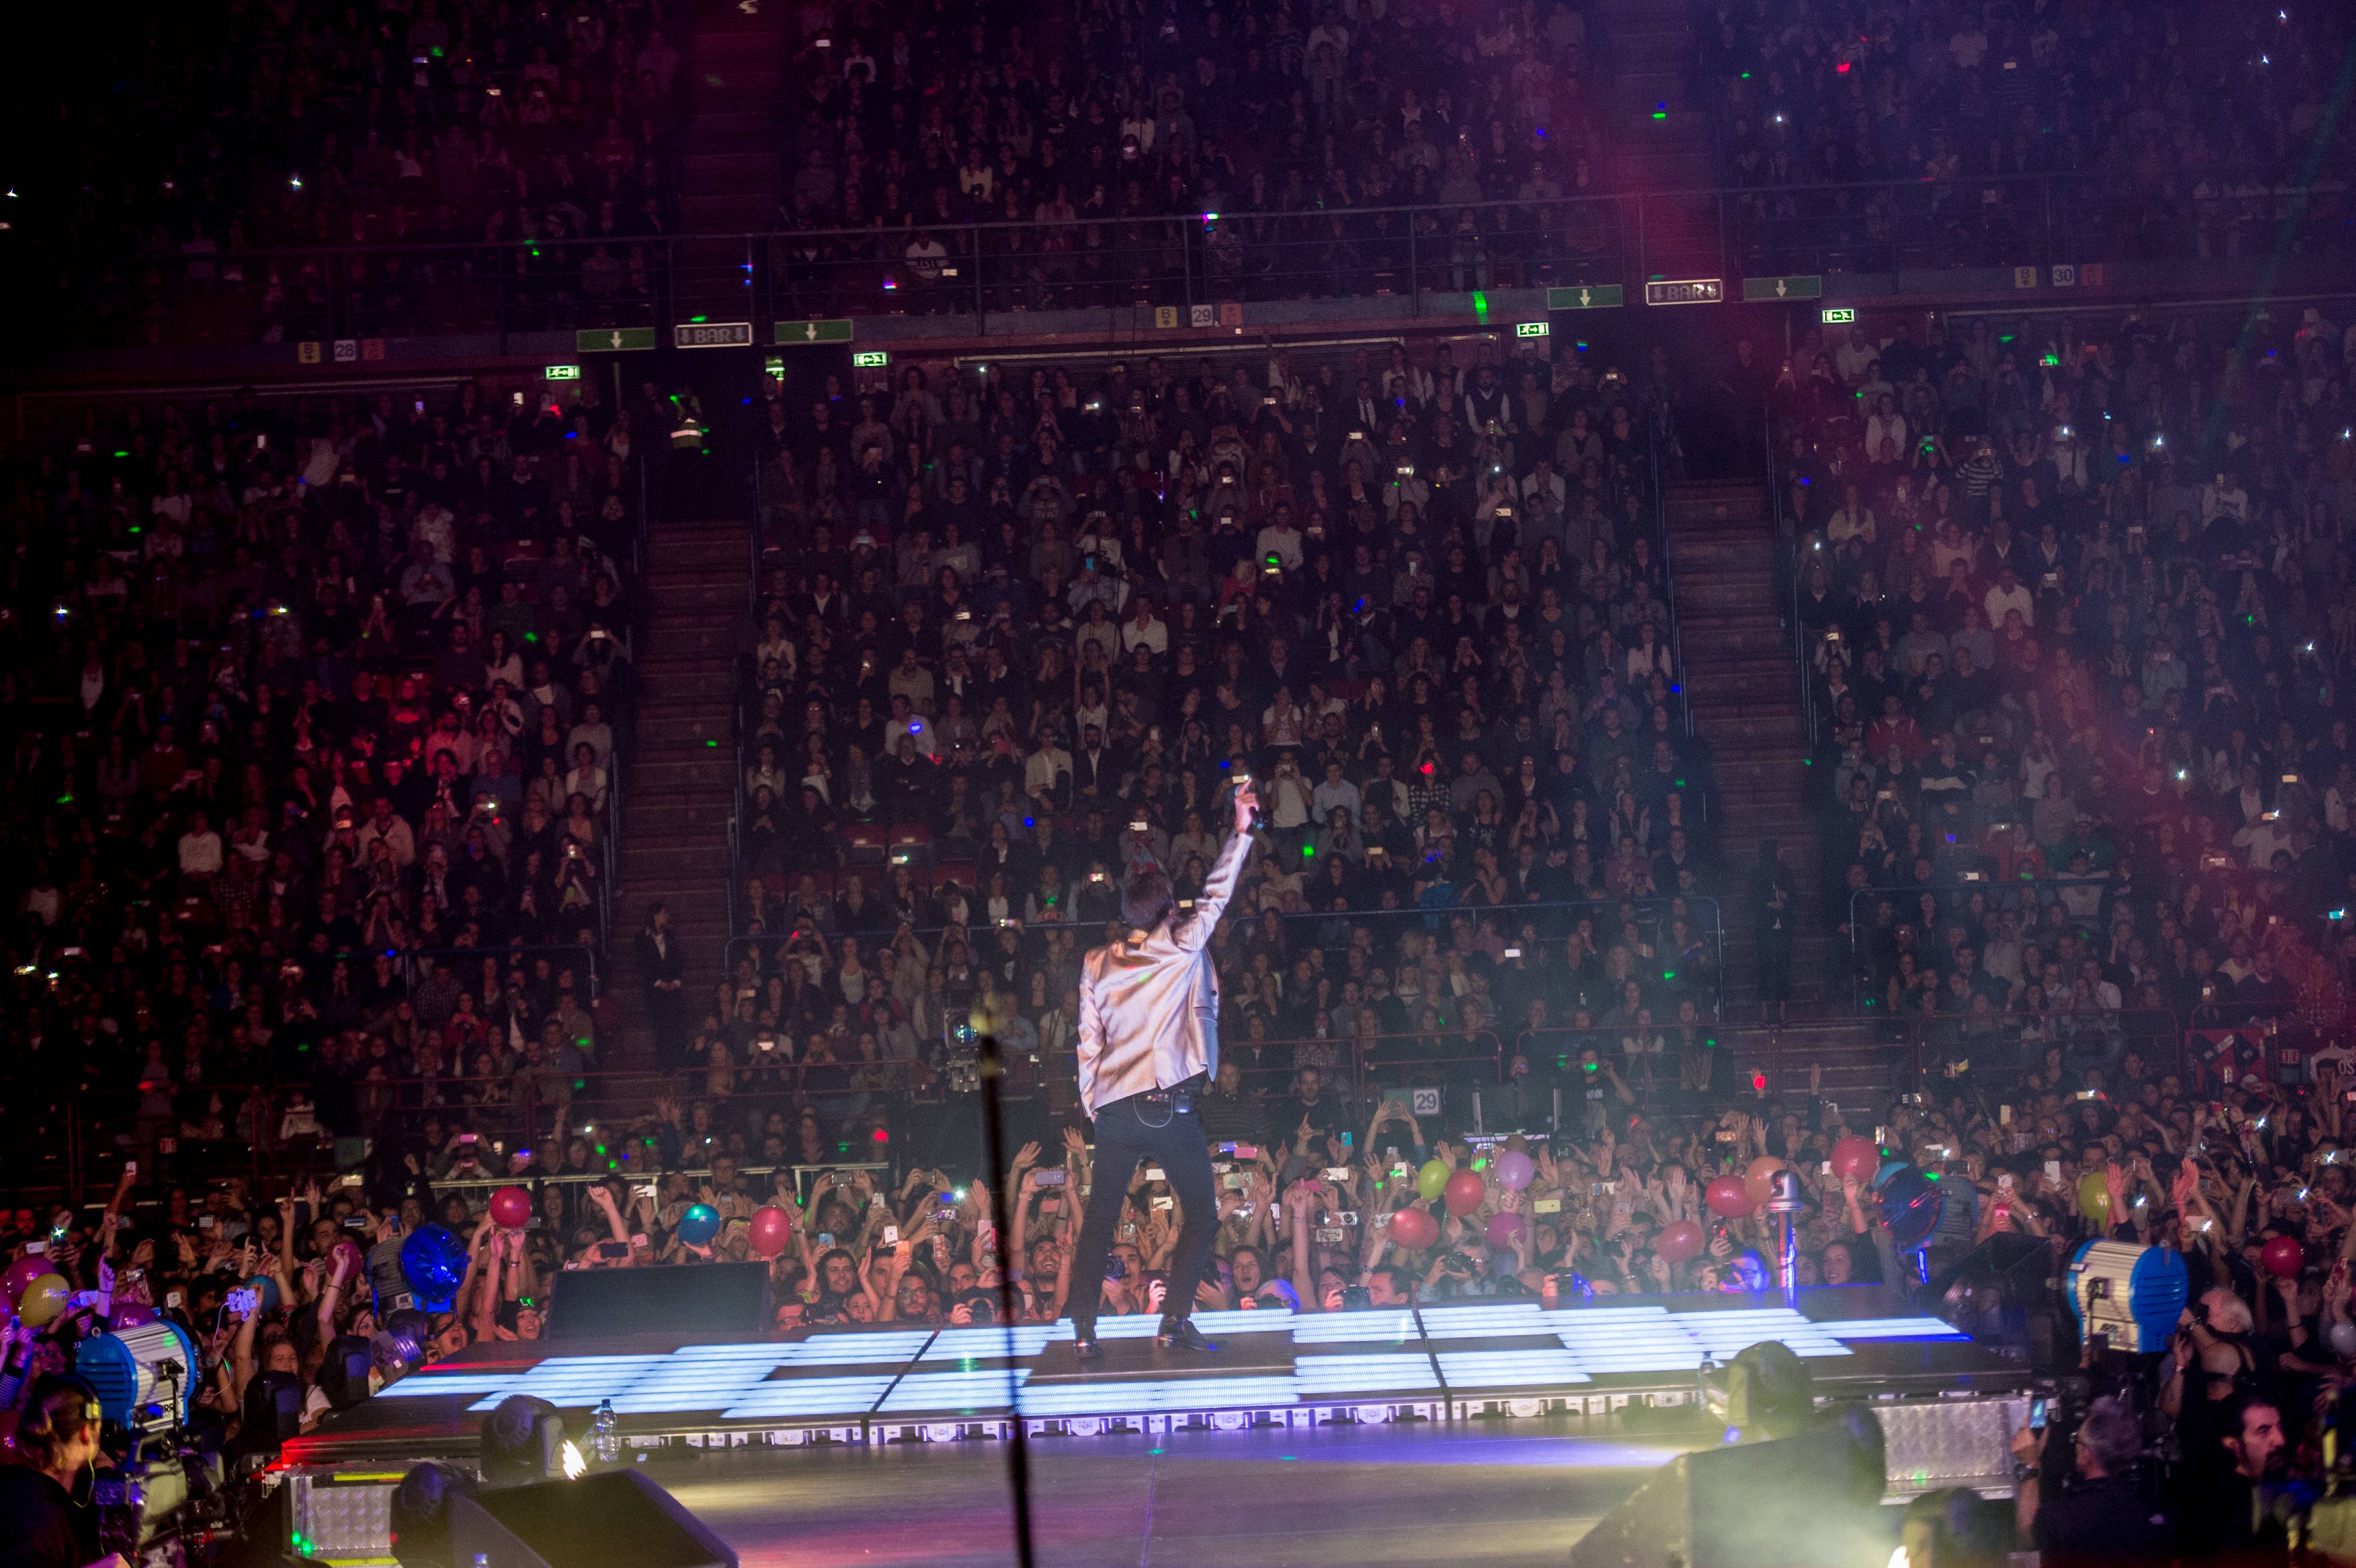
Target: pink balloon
<point x="770" y="1230"/>
<point x="1414" y="1230"/>
<point x="2283" y="1256"/>
<point x="1463" y="1193"/>
<point x="19" y="1274"/>
<point x="1856" y="1156"/>
<point x="1680" y="1240"/>
<point x="511" y="1208"/>
<point x="1514" y="1170"/>
<point x="1505" y="1229"/>
<point x="1728" y="1196"/>
<point x="133" y="1314"/>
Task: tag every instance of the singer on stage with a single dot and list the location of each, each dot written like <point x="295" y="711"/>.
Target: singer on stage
<point x="1149" y="1044"/>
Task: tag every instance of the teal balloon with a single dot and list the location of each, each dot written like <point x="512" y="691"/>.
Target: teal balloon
<point x="699" y="1225"/>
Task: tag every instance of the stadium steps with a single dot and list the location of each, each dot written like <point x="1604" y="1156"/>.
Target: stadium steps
<point x="681" y="786"/>
<point x="728" y="163"/>
<point x="1745" y="701"/>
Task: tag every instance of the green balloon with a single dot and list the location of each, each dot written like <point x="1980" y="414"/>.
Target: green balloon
<point x="1432" y="1180"/>
<point x="2095" y="1196"/>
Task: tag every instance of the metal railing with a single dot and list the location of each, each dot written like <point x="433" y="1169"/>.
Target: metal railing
<point x="1335" y="930"/>
<point x="2027" y="896"/>
<point x="1146" y="261"/>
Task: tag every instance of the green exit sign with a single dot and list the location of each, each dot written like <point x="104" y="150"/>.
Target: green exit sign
<point x="1531" y="329"/>
<point x="1836" y="315"/>
<point x="563" y="373"/>
<point x="869" y="359"/>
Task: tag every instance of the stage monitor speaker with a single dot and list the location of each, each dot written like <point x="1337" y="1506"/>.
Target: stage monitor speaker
<point x="616" y="1518"/>
<point x="1797" y="1502"/>
<point x="711" y="1301"/>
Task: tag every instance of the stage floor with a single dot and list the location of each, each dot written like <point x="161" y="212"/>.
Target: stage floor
<point x="1517" y="1493"/>
<point x="1447" y="1363"/>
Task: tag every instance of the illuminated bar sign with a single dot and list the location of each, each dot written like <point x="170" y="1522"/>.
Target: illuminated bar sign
<point x="1685" y="291"/>
<point x="713" y="335"/>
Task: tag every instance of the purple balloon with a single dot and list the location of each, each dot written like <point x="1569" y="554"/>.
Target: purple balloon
<point x="1505" y="1228"/>
<point x="133" y="1314"/>
<point x="1515" y="1170"/>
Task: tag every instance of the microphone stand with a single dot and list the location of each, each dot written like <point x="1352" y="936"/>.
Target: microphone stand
<point x="993" y="1124"/>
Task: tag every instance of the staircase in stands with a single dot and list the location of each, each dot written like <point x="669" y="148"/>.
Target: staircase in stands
<point x="681" y="784"/>
<point x="728" y="172"/>
<point x="1746" y="705"/>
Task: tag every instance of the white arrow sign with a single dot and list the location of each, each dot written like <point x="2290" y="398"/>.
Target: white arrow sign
<point x="809" y="332"/>
<point x="1584" y="298"/>
<point x="618" y="340"/>
<point x="1781" y="289"/>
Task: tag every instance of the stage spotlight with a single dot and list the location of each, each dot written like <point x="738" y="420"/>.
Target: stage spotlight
<point x="523" y="1441"/>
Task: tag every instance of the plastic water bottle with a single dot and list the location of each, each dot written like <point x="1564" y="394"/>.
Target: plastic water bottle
<point x="607" y="1442"/>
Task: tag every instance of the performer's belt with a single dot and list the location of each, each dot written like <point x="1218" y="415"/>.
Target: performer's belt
<point x="1178" y="1099"/>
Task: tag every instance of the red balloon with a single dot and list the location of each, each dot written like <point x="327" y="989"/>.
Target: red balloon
<point x="511" y="1208"/>
<point x="2283" y="1257"/>
<point x="1463" y="1193"/>
<point x="1504" y="1228"/>
<point x="1680" y="1240"/>
<point x="1414" y="1230"/>
<point x="770" y="1230"/>
<point x="1856" y="1156"/>
<point x="19" y="1274"/>
<point x="1728" y="1196"/>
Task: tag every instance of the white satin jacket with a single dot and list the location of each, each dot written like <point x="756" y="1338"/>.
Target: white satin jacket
<point x="1150" y="1003"/>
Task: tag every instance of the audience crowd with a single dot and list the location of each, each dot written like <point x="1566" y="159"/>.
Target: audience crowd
<point x="2075" y="600"/>
<point x="1015" y="639"/>
<point x="1993" y="136"/>
<point x="322" y="132"/>
<point x="314" y="709"/>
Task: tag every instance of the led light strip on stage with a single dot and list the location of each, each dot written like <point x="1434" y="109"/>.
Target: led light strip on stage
<point x="985" y="1374"/>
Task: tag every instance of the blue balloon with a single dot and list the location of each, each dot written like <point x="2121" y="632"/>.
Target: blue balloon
<point x="698" y="1224"/>
<point x="434" y="1260"/>
<point x="265" y="1291"/>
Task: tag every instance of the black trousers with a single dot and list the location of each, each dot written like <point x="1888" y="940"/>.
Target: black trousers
<point x="1128" y="1131"/>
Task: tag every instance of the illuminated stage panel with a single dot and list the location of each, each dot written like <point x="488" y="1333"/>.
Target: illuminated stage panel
<point x="984" y="1344"/>
<point x="1347" y="1376"/>
<point x="1885" y="1328"/>
<point x="1158" y="1398"/>
<point x="971" y="1393"/>
<point x="1480" y="1322"/>
<point x="581" y="1380"/>
<point x="418" y="1386"/>
<point x="1385" y="1325"/>
<point x="1509" y="1369"/>
<point x="1726" y="1334"/>
<point x="809" y="1399"/>
<point x="855" y="1349"/>
<point x="1635" y="1345"/>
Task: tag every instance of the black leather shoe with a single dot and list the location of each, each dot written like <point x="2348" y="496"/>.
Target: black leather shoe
<point x="1182" y="1335"/>
<point x="1084" y="1343"/>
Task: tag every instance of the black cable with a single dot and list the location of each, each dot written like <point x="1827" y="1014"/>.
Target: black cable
<point x="993" y="1121"/>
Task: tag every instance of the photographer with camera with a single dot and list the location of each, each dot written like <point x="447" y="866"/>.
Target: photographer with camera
<point x="2077" y="1499"/>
